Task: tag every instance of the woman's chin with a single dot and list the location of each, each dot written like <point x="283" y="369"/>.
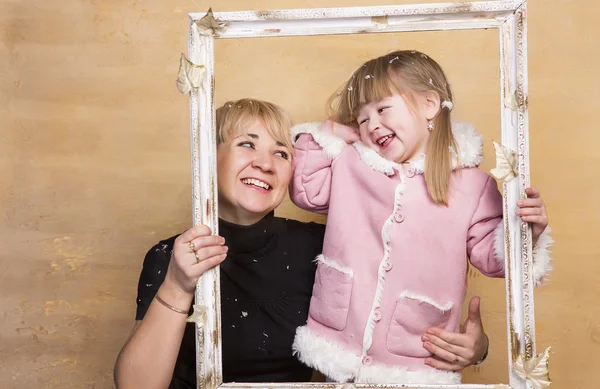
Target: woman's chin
<point x="257" y="209"/>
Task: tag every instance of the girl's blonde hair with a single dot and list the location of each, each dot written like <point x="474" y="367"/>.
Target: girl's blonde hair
<point x="235" y="116"/>
<point x="406" y="73"/>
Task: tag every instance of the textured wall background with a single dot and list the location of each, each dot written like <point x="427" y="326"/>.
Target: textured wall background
<point x="94" y="156"/>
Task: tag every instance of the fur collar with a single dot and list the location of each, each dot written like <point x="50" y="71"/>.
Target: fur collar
<point x="470" y="147"/>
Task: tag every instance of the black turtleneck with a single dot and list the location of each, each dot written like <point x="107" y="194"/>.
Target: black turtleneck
<point x="266" y="284"/>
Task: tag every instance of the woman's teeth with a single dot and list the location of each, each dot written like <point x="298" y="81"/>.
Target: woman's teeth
<point x="252" y="181"/>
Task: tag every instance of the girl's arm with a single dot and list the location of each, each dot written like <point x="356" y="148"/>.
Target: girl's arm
<point x="316" y="145"/>
<point x="485" y="242"/>
<point x="485" y="238"/>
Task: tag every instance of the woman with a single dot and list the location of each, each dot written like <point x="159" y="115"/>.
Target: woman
<point x="266" y="282"/>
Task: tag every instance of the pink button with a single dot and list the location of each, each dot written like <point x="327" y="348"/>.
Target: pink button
<point x="410" y="172"/>
<point x="398" y="217"/>
<point x="367" y="360"/>
<point x="377" y="314"/>
<point x="388" y="266"/>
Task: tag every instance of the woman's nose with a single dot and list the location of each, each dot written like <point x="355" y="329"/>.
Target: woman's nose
<point x="264" y="162"/>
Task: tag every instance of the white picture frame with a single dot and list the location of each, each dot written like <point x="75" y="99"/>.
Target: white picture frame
<point x="508" y="17"/>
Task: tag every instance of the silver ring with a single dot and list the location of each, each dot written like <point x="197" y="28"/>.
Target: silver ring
<point x="192" y="247"/>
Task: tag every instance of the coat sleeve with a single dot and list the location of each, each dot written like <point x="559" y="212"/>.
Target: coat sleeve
<point x="314" y="152"/>
<point x="486" y="239"/>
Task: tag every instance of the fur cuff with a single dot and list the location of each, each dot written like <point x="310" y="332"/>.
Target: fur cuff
<point x="331" y="144"/>
<point x="541" y="257"/>
<point x="541" y="253"/>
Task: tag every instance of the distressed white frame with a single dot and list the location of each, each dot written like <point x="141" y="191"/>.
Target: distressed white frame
<point x="508" y="17"/>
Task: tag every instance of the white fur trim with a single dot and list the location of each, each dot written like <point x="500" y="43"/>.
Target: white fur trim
<point x="470" y="146"/>
<point x="385" y="237"/>
<point x="327" y="357"/>
<point x="499" y="246"/>
<point x="541" y="253"/>
<point x="341" y="365"/>
<point x="374" y="160"/>
<point x="382" y="374"/>
<point x="331" y="144"/>
<point x="414" y="296"/>
<point x="321" y="258"/>
<point x="541" y="257"/>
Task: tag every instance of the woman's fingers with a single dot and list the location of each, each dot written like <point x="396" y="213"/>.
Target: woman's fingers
<point x="210" y="251"/>
<point x="207" y="241"/>
<point x="192" y="233"/>
<point x="199" y="268"/>
<point x="442" y="365"/>
<point x="454" y="338"/>
<point x="443" y="353"/>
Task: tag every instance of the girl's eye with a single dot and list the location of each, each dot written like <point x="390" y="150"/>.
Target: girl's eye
<point x="246" y="144"/>
<point x="380" y="110"/>
<point x="282" y="154"/>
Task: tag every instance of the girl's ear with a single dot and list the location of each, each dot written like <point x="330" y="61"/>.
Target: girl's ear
<point x="430" y="104"/>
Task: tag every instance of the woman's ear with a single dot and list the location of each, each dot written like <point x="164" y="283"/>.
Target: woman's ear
<point x="430" y="104"/>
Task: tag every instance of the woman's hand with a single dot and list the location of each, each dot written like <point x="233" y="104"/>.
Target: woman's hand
<point x="194" y="252"/>
<point x="455" y="351"/>
<point x="532" y="210"/>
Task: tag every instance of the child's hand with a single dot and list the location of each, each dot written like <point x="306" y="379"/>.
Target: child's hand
<point x="532" y="210"/>
<point x="346" y="133"/>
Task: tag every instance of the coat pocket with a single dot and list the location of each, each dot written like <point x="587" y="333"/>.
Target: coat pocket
<point x="332" y="291"/>
<point x="413" y="315"/>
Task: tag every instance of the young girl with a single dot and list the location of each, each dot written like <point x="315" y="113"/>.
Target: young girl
<point x="406" y="205"/>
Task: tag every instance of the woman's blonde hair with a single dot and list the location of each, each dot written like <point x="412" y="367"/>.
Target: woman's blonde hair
<point x="235" y="116"/>
<point x="407" y="73"/>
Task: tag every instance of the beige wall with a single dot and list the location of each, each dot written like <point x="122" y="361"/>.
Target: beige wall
<point x="94" y="157"/>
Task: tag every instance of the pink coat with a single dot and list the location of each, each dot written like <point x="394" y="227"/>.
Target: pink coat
<point x="394" y="263"/>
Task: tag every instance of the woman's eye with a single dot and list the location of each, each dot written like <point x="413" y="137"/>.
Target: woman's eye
<point x="246" y="144"/>
<point x="282" y="154"/>
<point x="360" y="122"/>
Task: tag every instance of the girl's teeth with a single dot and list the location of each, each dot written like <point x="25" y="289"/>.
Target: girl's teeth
<point x="382" y="141"/>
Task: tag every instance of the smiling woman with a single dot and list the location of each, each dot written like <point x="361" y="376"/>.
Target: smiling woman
<point x="266" y="280"/>
<point x="254" y="159"/>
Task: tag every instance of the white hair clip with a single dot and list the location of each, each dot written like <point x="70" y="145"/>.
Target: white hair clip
<point x="393" y="59"/>
<point x="447" y="104"/>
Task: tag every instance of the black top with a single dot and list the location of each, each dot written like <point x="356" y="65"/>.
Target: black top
<point x="266" y="285"/>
